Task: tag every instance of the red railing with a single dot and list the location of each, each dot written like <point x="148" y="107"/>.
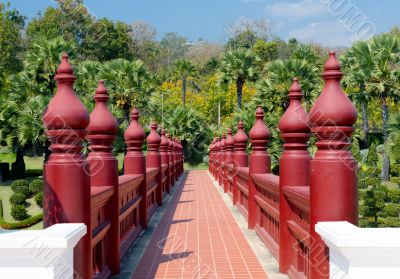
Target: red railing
<point x="89" y="190"/>
<point x="283" y="210"/>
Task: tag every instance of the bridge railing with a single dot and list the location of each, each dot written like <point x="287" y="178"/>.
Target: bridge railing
<point x="115" y="209"/>
<point x="283" y="210"/>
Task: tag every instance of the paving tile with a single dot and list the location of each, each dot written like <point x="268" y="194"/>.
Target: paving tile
<point x="198" y="238"/>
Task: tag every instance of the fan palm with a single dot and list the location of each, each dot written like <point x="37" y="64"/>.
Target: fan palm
<point x="238" y="66"/>
<point x="358" y="64"/>
<point x="187" y="73"/>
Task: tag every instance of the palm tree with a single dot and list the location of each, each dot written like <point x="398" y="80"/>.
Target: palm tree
<point x="358" y="64"/>
<point x="384" y="82"/>
<point x="186" y="72"/>
<point x="238" y="66"/>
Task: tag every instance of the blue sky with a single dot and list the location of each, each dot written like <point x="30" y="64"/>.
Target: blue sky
<point x="322" y="21"/>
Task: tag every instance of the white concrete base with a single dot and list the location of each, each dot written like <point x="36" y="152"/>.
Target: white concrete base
<point x="40" y="254"/>
<point x="361" y="253"/>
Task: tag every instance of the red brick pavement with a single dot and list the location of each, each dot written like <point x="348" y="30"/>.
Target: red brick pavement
<point x="198" y="238"/>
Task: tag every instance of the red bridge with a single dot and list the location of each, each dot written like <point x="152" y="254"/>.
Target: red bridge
<point x="189" y="221"/>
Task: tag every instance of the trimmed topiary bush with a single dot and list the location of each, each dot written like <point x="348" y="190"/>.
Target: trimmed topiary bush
<point x="395" y="169"/>
<point x="39" y="199"/>
<point x="391" y="210"/>
<point x="26" y="223"/>
<point x="394" y="195"/>
<point x="36" y="186"/>
<point x="18" y="199"/>
<point x="21" y="186"/>
<point x="395" y="180"/>
<point x="372" y="158"/>
<point x="393" y="222"/>
<point x="18" y="212"/>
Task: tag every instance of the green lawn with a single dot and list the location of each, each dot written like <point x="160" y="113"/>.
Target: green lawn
<point x="202" y="166"/>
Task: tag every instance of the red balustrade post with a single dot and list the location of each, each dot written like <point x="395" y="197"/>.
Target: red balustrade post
<point x="102" y="132"/>
<point x="228" y="158"/>
<point x="221" y="161"/>
<point x="294" y="166"/>
<point x="175" y="152"/>
<point x="216" y="160"/>
<point x="165" y="157"/>
<point x="66" y="173"/>
<point x="182" y="157"/>
<point x="171" y="161"/>
<point x="333" y="179"/>
<point x="135" y="161"/>
<point x="153" y="158"/>
<point x="259" y="161"/>
<point x="239" y="157"/>
<point x="210" y="156"/>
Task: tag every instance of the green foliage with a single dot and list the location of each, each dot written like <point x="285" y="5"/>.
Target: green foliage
<point x="19" y="212"/>
<point x="372" y="158"/>
<point x="395" y="180"/>
<point x="266" y="51"/>
<point x="36" y="186"/>
<point x="355" y="150"/>
<point x="245" y="39"/>
<point x="374" y="201"/>
<point x="394" y="195"/>
<point x="39" y="199"/>
<point x="18" y="225"/>
<point x="393" y="222"/>
<point x="18" y="199"/>
<point x="395" y="169"/>
<point x="391" y="210"/>
<point x="21" y="186"/>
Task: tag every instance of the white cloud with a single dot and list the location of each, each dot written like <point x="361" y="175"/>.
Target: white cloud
<point x="296" y="10"/>
<point x="328" y="33"/>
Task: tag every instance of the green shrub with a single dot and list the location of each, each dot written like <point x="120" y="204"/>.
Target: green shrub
<point x="36" y="186"/>
<point x="21" y="186"/>
<point x="21" y="224"/>
<point x="17" y="199"/>
<point x="372" y="158"/>
<point x="395" y="169"/>
<point x="395" y="180"/>
<point x="34" y="172"/>
<point x="393" y="222"/>
<point x="394" y="195"/>
<point x="391" y="210"/>
<point x="18" y="184"/>
<point x="366" y="223"/>
<point x="39" y="199"/>
<point x="370" y="182"/>
<point x="18" y="212"/>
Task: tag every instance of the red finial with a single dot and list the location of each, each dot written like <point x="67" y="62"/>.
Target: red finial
<point x="333" y="107"/>
<point x="229" y="141"/>
<point x="153" y="139"/>
<point x="240" y="139"/>
<point x="65" y="69"/>
<point x="259" y="133"/>
<point x="295" y="119"/>
<point x="134" y="134"/>
<point x="101" y="120"/>
<point x="222" y="143"/>
<point x="164" y="142"/>
<point x="170" y="143"/>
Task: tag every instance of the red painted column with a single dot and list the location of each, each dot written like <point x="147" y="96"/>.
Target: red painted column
<point x="239" y="156"/>
<point x="171" y="161"/>
<point x="216" y="158"/>
<point x="210" y="156"/>
<point x="102" y="130"/>
<point x="135" y="161"/>
<point x="222" y="161"/>
<point x="176" y="156"/>
<point x="165" y="156"/>
<point x="333" y="179"/>
<point x="259" y="161"/>
<point x="66" y="173"/>
<point x="294" y="166"/>
<point x="153" y="158"/>
<point x="182" y="156"/>
<point x="228" y="158"/>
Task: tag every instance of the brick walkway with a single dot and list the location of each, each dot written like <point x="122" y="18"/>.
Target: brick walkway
<point x="198" y="238"/>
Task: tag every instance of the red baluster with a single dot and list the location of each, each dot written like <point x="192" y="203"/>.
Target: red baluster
<point x="294" y="166"/>
<point x="153" y="158"/>
<point x="211" y="156"/>
<point x="229" y="163"/>
<point x="165" y="157"/>
<point x="171" y="161"/>
<point x="135" y="161"/>
<point x="333" y="179"/>
<point x="66" y="173"/>
<point x="239" y="157"/>
<point x="259" y="161"/>
<point x="221" y="173"/>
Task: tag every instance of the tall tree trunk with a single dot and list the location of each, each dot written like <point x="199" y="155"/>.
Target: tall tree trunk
<point x="365" y="123"/>
<point x="184" y="92"/>
<point x="239" y="92"/>
<point x="386" y="159"/>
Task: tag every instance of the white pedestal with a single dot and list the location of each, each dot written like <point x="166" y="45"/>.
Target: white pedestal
<point x="41" y="254"/>
<point x="361" y="253"/>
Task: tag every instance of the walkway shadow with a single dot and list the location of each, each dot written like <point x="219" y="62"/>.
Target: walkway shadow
<point x="181" y="221"/>
<point x="185" y="201"/>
